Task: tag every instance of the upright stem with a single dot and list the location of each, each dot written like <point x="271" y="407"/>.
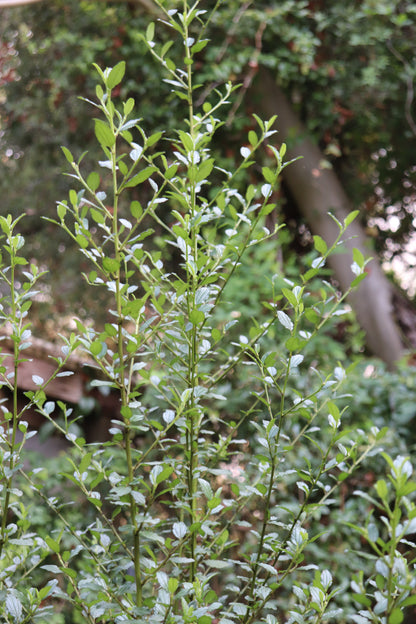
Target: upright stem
<point x="122" y="382"/>
<point x="14" y="408"/>
<point x="192" y="429"/>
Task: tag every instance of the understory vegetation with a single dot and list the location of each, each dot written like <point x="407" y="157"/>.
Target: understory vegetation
<point x="255" y="472"/>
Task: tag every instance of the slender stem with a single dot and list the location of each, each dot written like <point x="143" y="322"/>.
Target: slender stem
<point x="193" y="376"/>
<point x="12" y="445"/>
<point x="123" y="383"/>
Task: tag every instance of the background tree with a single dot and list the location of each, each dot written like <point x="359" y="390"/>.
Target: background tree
<point x="345" y="75"/>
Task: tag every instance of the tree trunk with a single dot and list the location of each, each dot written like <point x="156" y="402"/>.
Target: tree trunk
<point x="317" y="191"/>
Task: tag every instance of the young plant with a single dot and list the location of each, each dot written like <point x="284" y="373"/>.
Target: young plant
<point x="21" y="550"/>
<point x="391" y="520"/>
<point x="188" y="521"/>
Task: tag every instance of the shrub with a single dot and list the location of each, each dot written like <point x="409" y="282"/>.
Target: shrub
<point x="193" y="512"/>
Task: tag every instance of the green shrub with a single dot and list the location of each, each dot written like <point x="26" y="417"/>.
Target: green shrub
<point x="203" y="508"/>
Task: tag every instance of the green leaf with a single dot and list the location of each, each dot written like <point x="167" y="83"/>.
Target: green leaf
<point x="81" y="241"/>
<point x="73" y="198"/>
<point x="200" y="45"/>
<point x="196" y="317"/>
<point x="173" y="585"/>
<point x="162" y="476"/>
<point x="267" y="209"/>
<point x="310" y="274"/>
<point x="154" y="138"/>
<point x="171" y="171"/>
<point x="128" y="106"/>
<point x="93" y="181"/>
<point x="61" y="210"/>
<point x="104" y="134"/>
<point x="95" y="501"/>
<point x="180" y="95"/>
<point x="85" y="463"/>
<point x="290" y="296"/>
<point x="116" y="75"/>
<point x="136" y="209"/>
<point x="333" y="409"/>
<point x="110" y="265"/>
<point x="53" y="545"/>
<point x="358" y="257"/>
<point x="252" y="137"/>
<point x="216" y="334"/>
<point x="150" y="32"/>
<point x="358" y="280"/>
<point x="186" y="140"/>
<point x="140" y="177"/>
<point x="294" y="344"/>
<point x="176" y="229"/>
<point x="396" y="616"/>
<point x="268" y="175"/>
<point x="312" y="316"/>
<point x="204" y="170"/>
<point x="362" y="599"/>
<point x="123" y="167"/>
<point x="170" y="64"/>
<point x="382" y="489"/>
<point x="96" y="347"/>
<point x="166" y="47"/>
<point x="224" y="536"/>
<point x="214" y="502"/>
<point x="350" y="218"/>
<point x="411" y="600"/>
<point x="126" y="412"/>
<point x="260" y="487"/>
<point x="68" y="155"/>
<point x="20" y="260"/>
<point x="250" y="193"/>
<point x="320" y="245"/>
<point x="97" y="215"/>
<point x="110" y="330"/>
<point x="70" y="572"/>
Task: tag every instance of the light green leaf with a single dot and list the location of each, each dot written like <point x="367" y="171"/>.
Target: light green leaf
<point x="111" y="265"/>
<point x="350" y="218"/>
<point x="68" y="155"/>
<point x="320" y="245"/>
<point x="116" y="75"/>
<point x="93" y="180"/>
<point x="140" y="177"/>
<point x="150" y="32"/>
<point x="104" y="134"/>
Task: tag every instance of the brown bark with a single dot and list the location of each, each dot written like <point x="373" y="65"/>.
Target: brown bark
<point x="317" y="191"/>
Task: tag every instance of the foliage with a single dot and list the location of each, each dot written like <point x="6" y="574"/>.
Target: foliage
<point x="181" y="517"/>
<point x="383" y="397"/>
<point x="339" y="64"/>
<point x="349" y="72"/>
<point x="389" y="591"/>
